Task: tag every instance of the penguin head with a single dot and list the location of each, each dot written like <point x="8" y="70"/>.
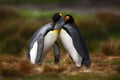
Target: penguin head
<point x="69" y="19"/>
<point x="58" y="20"/>
<point x="56" y="17"/>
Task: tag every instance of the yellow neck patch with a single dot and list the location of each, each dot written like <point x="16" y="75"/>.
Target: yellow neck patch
<point x="56" y="31"/>
<point x="60" y="14"/>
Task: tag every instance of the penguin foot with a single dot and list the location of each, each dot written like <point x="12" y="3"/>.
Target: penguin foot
<point x="86" y="65"/>
<point x="85" y="69"/>
<point x="78" y="65"/>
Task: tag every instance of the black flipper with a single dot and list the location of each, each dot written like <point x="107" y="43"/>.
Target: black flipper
<point x="40" y="42"/>
<point x="28" y="52"/>
<point x="56" y="50"/>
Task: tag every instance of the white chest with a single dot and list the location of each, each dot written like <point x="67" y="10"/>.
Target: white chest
<point x="66" y="40"/>
<point x="49" y="40"/>
<point x="68" y="44"/>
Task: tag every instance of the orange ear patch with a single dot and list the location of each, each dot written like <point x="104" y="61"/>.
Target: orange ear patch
<point x="67" y="18"/>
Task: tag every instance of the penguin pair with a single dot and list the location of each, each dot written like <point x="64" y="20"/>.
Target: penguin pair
<point x="45" y="38"/>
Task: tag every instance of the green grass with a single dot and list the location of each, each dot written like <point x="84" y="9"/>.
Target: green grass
<point x="35" y="14"/>
<point x="115" y="36"/>
<point x="39" y="14"/>
<point x="85" y="17"/>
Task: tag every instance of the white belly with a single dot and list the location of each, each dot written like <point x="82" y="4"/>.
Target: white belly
<point x="49" y="40"/>
<point x="68" y="44"/>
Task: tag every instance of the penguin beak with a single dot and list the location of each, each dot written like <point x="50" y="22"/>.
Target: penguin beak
<point x="59" y="24"/>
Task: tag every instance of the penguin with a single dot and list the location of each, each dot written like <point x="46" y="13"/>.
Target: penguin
<point x="44" y="39"/>
<point x="74" y="43"/>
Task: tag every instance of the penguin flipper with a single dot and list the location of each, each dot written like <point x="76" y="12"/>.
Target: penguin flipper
<point x="81" y="47"/>
<point x="28" y="52"/>
<point x="56" y="50"/>
<point x="40" y="42"/>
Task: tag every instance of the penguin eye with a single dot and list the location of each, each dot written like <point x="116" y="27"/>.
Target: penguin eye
<point x="67" y="18"/>
<point x="60" y="14"/>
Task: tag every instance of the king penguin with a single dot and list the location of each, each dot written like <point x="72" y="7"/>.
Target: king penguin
<point x="74" y="43"/>
<point x="44" y="39"/>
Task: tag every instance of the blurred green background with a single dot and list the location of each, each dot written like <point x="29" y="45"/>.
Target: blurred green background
<point x="97" y="20"/>
<point x="20" y="18"/>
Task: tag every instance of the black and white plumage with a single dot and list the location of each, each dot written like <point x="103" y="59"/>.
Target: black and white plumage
<point x="44" y="39"/>
<point x="73" y="42"/>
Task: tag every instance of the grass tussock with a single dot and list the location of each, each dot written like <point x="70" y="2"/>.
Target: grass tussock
<point x="68" y="60"/>
<point x="111" y="47"/>
<point x="102" y="63"/>
<point x="14" y="66"/>
<point x="52" y="68"/>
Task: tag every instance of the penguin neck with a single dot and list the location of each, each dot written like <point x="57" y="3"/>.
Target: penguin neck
<point x="53" y="24"/>
<point x="72" y="24"/>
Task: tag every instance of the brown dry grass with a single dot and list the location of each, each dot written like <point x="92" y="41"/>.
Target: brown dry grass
<point x="111" y="47"/>
<point x="20" y="66"/>
<point x="100" y="64"/>
<point x="107" y="17"/>
<point x="17" y="66"/>
<point x="14" y="66"/>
